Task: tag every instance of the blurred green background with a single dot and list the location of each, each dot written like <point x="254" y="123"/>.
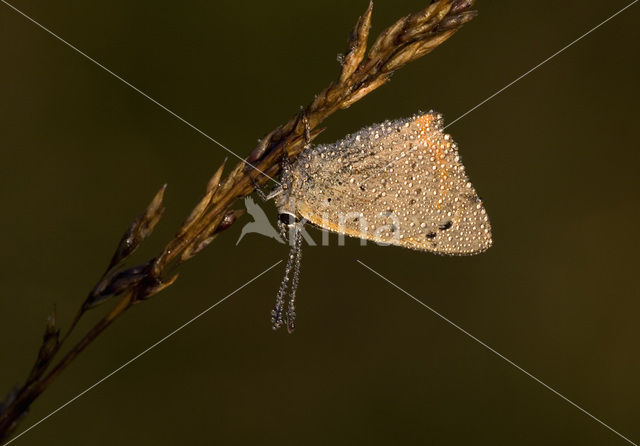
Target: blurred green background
<point x="554" y="157"/>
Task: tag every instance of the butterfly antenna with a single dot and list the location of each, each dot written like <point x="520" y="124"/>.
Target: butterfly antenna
<point x="278" y="311"/>
<point x="307" y="129"/>
<point x="297" y="252"/>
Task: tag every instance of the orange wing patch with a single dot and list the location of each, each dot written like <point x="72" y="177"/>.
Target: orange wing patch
<point x="427" y="124"/>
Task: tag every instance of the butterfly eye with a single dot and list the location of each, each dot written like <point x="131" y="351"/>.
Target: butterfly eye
<point x="287" y="219"/>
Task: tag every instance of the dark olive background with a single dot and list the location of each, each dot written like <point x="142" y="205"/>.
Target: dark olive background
<point x="554" y="157"/>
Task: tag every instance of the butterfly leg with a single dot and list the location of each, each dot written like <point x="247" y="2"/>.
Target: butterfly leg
<point x="307" y="128"/>
<point x="285" y="167"/>
<point x="275" y="191"/>
<point x="258" y="189"/>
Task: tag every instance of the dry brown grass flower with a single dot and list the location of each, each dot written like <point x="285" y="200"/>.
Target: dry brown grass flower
<point x="362" y="71"/>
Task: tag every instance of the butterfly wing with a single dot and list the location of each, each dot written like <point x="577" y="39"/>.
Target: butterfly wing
<point x="400" y="182"/>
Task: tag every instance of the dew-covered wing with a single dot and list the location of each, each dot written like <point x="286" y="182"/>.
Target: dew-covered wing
<point x="400" y="182"/>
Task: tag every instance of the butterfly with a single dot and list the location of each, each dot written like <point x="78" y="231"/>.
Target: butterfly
<point x="400" y="182"/>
